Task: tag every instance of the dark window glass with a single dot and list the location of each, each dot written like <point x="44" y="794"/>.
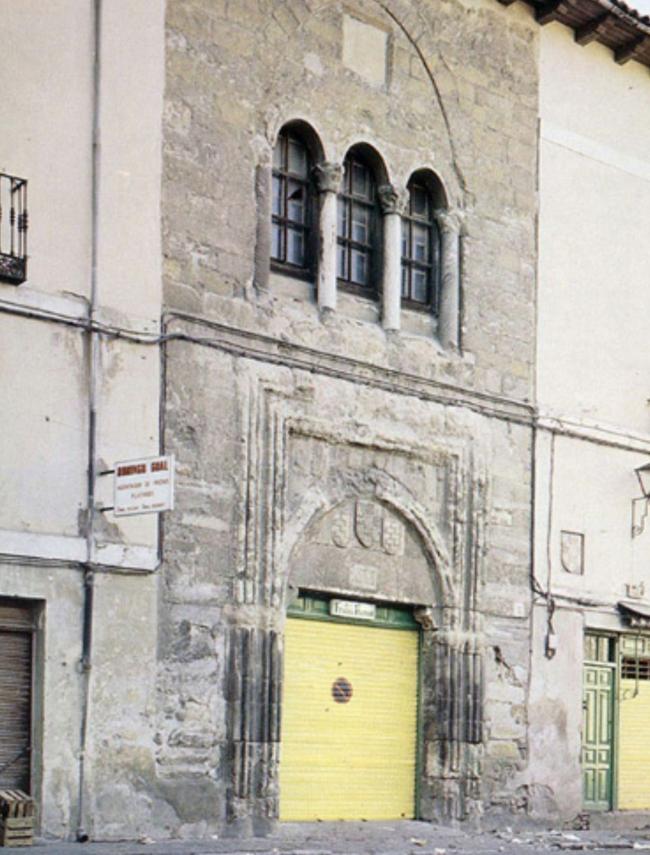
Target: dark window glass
<point x="635" y="669"/>
<point x="357" y="224"/>
<point x="420" y="248"/>
<point x="292" y="202"/>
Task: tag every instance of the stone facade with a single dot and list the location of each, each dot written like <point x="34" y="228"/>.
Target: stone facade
<point x="319" y="449"/>
<point x="324" y="442"/>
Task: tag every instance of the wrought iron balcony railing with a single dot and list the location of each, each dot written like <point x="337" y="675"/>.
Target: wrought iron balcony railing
<point x="13" y="229"/>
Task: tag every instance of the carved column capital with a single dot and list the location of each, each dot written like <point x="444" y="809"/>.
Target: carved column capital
<point x="450" y="220"/>
<point x="426" y="618"/>
<point x="390" y="199"/>
<point x="328" y="176"/>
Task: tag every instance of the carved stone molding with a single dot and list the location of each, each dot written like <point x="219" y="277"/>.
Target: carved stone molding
<point x="391" y="200"/>
<point x="294" y="355"/>
<point x="281" y="439"/>
<point x="425" y="616"/>
<point x="450" y="220"/>
<point x="328" y="176"/>
<point x="253" y="691"/>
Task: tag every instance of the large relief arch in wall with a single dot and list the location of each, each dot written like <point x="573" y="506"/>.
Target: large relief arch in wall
<point x="335" y="508"/>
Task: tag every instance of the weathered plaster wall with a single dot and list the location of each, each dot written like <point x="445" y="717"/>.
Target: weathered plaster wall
<point x="121" y="752"/>
<point x="58" y="699"/>
<point x="42" y="386"/>
<point x="591" y="378"/>
<point x="46" y="59"/>
<point x="555" y="713"/>
<point x="47" y="139"/>
<point x="594" y="212"/>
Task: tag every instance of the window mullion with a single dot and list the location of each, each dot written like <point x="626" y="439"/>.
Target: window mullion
<point x="410" y="251"/>
<point x="348" y="236"/>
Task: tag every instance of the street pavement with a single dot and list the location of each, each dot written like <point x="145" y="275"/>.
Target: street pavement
<point x="379" y="838"/>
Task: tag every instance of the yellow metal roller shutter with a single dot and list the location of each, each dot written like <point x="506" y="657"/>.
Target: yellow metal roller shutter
<point x="355" y="758"/>
<point x="634" y="754"/>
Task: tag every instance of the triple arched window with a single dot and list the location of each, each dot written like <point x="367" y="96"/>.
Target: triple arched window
<point x="351" y="229"/>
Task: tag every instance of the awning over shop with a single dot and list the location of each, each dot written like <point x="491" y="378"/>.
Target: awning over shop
<point x="635" y="614"/>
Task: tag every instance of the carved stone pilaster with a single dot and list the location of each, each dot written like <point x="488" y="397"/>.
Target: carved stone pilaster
<point x="253" y="695"/>
<point x="328" y="176"/>
<point x="452" y="702"/>
<point x="459" y="658"/>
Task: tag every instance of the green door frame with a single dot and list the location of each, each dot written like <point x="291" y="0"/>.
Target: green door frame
<point x="600" y="678"/>
<point x="313" y="606"/>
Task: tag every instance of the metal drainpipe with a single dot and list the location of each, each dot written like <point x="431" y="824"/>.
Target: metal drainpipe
<point x="93" y="367"/>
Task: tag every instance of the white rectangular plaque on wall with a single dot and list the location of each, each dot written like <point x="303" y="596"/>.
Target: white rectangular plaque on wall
<point x="144" y="486"/>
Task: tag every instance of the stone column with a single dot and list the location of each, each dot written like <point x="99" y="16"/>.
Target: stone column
<point x="391" y="206"/>
<point x="328" y="181"/>
<point x="262" y="256"/>
<point x="449" y="223"/>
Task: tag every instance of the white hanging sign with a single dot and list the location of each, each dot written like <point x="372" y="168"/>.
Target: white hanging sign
<point x="144" y="486"/>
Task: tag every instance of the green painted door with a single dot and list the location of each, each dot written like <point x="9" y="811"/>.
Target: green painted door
<point x="598" y="724"/>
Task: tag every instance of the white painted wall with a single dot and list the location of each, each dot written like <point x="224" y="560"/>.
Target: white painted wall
<point x="594" y="263"/>
<point x="593" y="374"/>
<point x="46" y="69"/>
<point x="46" y="65"/>
<point x="43" y="385"/>
<point x="131" y="92"/>
<point x="129" y="276"/>
<point x="593" y="314"/>
<point x="47" y="56"/>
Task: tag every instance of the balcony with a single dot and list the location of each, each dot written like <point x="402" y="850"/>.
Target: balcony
<point x="13" y="229"/>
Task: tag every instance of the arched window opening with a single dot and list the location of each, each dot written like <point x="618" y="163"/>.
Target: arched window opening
<point x="293" y="226"/>
<point x="420" y="247"/>
<point x="358" y="229"/>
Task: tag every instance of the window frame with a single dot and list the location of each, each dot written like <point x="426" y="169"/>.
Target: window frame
<point x="373" y="247"/>
<point x="409" y="264"/>
<point x="310" y="225"/>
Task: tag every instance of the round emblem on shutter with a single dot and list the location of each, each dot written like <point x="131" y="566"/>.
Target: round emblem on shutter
<point x="341" y="690"/>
